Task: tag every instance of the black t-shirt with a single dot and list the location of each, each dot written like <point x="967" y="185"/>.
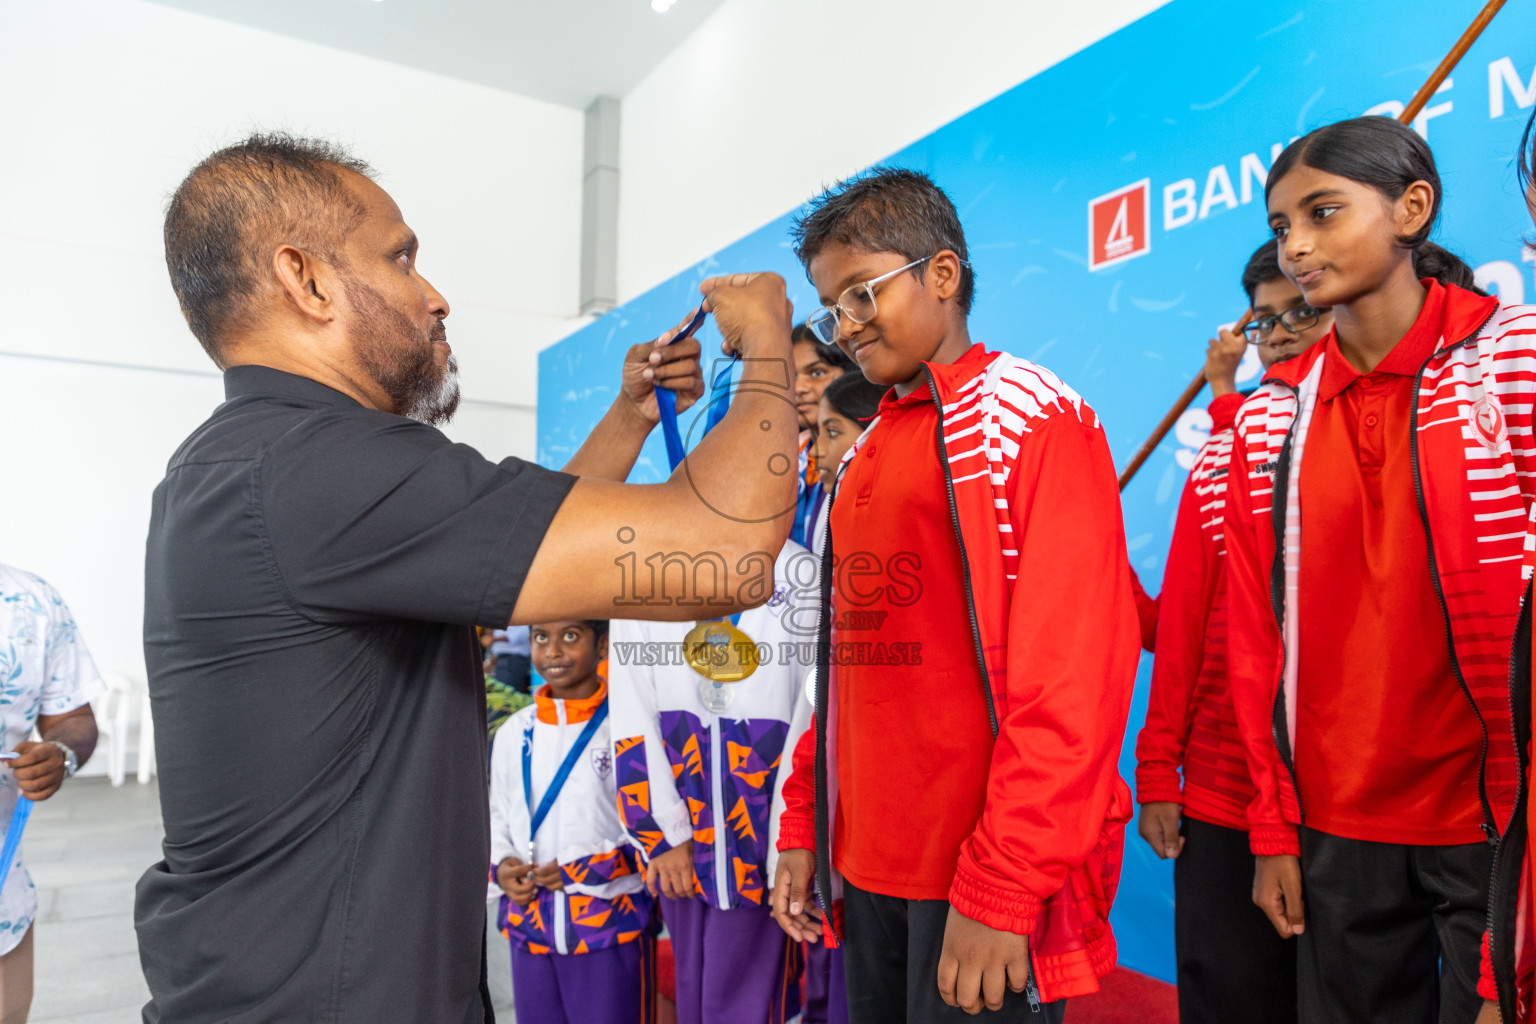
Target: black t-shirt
<point x="313" y="571"/>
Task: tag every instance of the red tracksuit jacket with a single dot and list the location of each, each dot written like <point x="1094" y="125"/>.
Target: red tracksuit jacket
<point x="1056" y="657"/>
<point x="1509" y="948"/>
<point x="1476" y="474"/>
<point x="1191" y="726"/>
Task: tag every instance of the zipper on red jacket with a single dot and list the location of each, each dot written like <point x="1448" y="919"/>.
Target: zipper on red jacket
<point x="965" y="562"/>
<point x="1503" y="981"/>
<point x="1491" y="825"/>
<point x="821" y="880"/>
<point x="1279" y="723"/>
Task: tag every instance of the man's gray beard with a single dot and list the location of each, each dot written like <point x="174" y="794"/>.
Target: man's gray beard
<point x="384" y="338"/>
<point x="436" y="405"/>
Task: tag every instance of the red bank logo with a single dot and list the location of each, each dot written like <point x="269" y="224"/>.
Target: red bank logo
<point x="1120" y="225"/>
<point x="1488" y="423"/>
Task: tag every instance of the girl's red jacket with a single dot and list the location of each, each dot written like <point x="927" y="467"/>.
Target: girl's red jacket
<point x="1056" y="642"/>
<point x="1475" y="475"/>
<point x="1509" y="947"/>
<point x="1190" y="725"/>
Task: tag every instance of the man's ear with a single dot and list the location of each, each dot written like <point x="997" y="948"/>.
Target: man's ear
<point x="945" y="272"/>
<point x="308" y="285"/>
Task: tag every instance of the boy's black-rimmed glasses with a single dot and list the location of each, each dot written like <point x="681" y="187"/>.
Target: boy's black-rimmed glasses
<point x="1296" y="319"/>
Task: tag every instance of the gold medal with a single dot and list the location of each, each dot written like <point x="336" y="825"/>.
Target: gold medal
<point x="720" y="652"/>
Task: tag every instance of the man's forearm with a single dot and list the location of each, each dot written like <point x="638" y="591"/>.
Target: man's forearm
<point x="747" y="463"/>
<point x="610" y="451"/>
<point x="77" y="732"/>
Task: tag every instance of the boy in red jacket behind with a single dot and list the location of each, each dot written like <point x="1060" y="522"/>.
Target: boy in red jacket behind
<point x="962" y="816"/>
<point x="1232" y="965"/>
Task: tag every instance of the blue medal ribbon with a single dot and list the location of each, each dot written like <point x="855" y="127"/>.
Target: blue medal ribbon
<point x="561" y="775"/>
<point x="666" y="399"/>
<point x="13" y="832"/>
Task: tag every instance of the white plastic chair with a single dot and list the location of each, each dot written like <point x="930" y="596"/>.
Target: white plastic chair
<point x="146" y="736"/>
<point x="112" y="722"/>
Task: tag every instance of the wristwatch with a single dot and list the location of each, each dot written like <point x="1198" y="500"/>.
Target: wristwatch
<point x="71" y="763"/>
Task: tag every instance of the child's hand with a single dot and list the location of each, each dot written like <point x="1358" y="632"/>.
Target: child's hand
<point x="654" y="364"/>
<point x="1159" y="826"/>
<point x="753" y="313"/>
<point x="1222" y="358"/>
<point x="792" y="887"/>
<point x="978" y="963"/>
<point x="549" y="877"/>
<point x="516" y="880"/>
<point x="1277" y="892"/>
<point x="670" y="874"/>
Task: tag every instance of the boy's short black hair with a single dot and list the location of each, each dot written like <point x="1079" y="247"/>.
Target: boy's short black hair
<point x="1263" y="265"/>
<point x="889" y="209"/>
<point x="599" y="628"/>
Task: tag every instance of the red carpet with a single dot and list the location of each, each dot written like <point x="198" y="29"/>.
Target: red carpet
<point x="1124" y="997"/>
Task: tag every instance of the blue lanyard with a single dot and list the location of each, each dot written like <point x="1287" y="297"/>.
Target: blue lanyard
<point x="13" y="832"/>
<point x="558" y="782"/>
<point x="666" y="399"/>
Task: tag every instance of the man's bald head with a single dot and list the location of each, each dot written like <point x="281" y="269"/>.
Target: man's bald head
<point x="227" y="218"/>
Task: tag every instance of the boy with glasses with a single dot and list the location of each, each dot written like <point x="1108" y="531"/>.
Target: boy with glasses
<point x="1232" y="964"/>
<point x="962" y="818"/>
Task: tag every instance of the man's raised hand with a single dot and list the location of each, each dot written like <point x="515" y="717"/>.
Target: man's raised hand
<point x="753" y="313"/>
<point x="663" y="363"/>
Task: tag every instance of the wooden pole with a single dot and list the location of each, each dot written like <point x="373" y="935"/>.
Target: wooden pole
<point x="1415" y="106"/>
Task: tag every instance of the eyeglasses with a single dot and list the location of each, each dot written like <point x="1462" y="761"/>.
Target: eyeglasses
<point x="1296" y="319"/>
<point x="857" y="303"/>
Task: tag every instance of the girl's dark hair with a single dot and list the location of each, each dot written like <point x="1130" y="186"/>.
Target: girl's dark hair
<point x="1527" y="162"/>
<point x="1528" y="154"/>
<point x="1438" y="262"/>
<point x="829" y="354"/>
<point x="853" y="396"/>
<point x="1376" y="151"/>
<point x="1263" y="265"/>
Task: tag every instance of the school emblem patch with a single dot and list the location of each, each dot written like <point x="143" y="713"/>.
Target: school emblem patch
<point x="602" y="762"/>
<point x="1488" y="423"/>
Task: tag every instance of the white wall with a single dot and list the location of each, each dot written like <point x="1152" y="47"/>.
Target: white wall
<point x="104" y="106"/>
<point x="770" y="100"/>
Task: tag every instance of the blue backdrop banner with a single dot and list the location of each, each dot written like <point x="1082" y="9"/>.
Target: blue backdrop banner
<point x="1110" y="203"/>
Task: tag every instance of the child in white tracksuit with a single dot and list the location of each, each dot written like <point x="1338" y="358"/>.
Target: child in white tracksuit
<point x="701" y="769"/>
<point x="573" y="902"/>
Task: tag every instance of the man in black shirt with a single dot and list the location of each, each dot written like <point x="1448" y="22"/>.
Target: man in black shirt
<point x="317" y="554"/>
